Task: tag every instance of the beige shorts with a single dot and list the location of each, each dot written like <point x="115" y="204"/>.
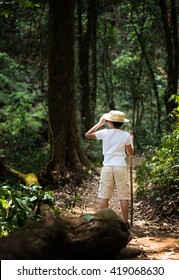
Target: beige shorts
<point x="114" y="177"/>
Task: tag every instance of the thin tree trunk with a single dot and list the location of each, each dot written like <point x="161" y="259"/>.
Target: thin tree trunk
<point x="94" y="60"/>
<point x="87" y="63"/>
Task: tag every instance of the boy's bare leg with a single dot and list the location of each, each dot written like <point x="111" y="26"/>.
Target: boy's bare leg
<point x="125" y="209"/>
<point x="104" y="203"/>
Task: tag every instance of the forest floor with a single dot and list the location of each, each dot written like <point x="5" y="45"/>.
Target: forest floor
<point x="157" y="238"/>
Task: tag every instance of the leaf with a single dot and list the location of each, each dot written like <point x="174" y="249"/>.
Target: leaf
<point x="88" y="217"/>
<point x="48" y="196"/>
<point x="22" y="204"/>
<point x="4" y="204"/>
<point x="158" y="198"/>
<point x="33" y="198"/>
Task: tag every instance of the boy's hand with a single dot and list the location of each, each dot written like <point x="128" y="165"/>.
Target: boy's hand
<point x="91" y="133"/>
<point x="102" y="121"/>
<point x="132" y="136"/>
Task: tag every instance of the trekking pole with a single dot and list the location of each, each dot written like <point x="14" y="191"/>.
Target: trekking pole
<point x="131" y="188"/>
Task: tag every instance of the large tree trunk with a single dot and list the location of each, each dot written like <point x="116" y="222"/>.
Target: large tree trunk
<point x="65" y="148"/>
<point x="169" y="19"/>
<point x="99" y="236"/>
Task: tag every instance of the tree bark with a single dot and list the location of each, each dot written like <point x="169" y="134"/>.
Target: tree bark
<point x="65" y="147"/>
<point x="99" y="236"/>
<point x="87" y="63"/>
<point x="169" y="19"/>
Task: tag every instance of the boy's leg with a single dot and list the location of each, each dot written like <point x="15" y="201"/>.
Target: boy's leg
<point x="125" y="209"/>
<point x="106" y="186"/>
<point x="125" y="212"/>
<point x="123" y="191"/>
<point x="104" y="203"/>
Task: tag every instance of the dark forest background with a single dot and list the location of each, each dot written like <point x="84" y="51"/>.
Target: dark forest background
<point x="65" y="63"/>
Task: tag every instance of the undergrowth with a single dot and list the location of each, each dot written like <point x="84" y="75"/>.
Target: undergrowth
<point x="157" y="176"/>
<point x="19" y="203"/>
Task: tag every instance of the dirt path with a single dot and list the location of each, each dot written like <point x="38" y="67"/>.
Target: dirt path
<point x="158" y="239"/>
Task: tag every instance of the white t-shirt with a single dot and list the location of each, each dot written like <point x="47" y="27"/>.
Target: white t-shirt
<point x="114" y="141"/>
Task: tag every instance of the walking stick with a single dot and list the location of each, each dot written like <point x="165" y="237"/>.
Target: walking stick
<point x="131" y="187"/>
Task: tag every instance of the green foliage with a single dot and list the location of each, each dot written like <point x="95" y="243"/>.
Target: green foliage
<point x="24" y="129"/>
<point x="27" y="3"/>
<point x="132" y="75"/>
<point x="93" y="150"/>
<point x="158" y="174"/>
<point x="123" y="76"/>
<point x="127" y="63"/>
<point x="21" y="139"/>
<point x="19" y="204"/>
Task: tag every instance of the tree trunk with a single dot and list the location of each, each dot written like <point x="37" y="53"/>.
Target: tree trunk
<point x="87" y="64"/>
<point x="65" y="148"/>
<point x="107" y="71"/>
<point x="94" y="12"/>
<point x="169" y="19"/>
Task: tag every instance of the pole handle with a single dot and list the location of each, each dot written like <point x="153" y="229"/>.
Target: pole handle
<point x="130" y="161"/>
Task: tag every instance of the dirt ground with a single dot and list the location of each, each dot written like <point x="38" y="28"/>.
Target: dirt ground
<point x="159" y="239"/>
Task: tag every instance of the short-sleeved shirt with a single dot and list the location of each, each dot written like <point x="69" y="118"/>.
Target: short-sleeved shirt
<point x="114" y="142"/>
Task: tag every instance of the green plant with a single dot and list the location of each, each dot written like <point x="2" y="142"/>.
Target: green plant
<point x="23" y="117"/>
<point x="160" y="168"/>
<point x="19" y="204"/>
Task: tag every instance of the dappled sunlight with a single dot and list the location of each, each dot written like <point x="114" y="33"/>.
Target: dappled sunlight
<point x="157" y="239"/>
<point x="159" y="248"/>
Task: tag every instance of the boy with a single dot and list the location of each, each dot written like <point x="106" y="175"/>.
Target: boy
<point x="116" y="143"/>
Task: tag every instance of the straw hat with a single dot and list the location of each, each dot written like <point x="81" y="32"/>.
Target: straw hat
<point x="115" y="116"/>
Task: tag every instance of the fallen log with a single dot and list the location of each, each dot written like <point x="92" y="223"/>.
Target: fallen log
<point x="130" y="253"/>
<point x="98" y="236"/>
<point x="27" y="179"/>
